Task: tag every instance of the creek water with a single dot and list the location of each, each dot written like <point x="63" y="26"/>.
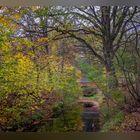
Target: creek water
<point x="90" y="119"/>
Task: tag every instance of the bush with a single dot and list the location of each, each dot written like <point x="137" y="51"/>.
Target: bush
<point x="111" y="124"/>
<point x="68" y="119"/>
<point x="111" y="110"/>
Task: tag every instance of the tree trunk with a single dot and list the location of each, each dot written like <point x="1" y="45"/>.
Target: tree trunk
<point x="138" y="80"/>
<point x="111" y="76"/>
<point x="112" y="81"/>
<point x="108" y="48"/>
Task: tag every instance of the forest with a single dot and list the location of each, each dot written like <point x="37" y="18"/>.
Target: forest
<point x="70" y="69"/>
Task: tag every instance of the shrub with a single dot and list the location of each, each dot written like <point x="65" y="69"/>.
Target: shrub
<point x="115" y="120"/>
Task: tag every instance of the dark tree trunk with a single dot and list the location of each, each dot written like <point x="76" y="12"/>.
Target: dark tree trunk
<point x="138" y="81"/>
<point x="112" y="81"/>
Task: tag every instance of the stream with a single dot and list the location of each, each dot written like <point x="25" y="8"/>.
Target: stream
<point x="90" y="119"/>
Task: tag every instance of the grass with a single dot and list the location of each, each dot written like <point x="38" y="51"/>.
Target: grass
<point x="97" y="97"/>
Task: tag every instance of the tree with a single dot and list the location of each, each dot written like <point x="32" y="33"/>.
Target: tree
<point x="107" y="24"/>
